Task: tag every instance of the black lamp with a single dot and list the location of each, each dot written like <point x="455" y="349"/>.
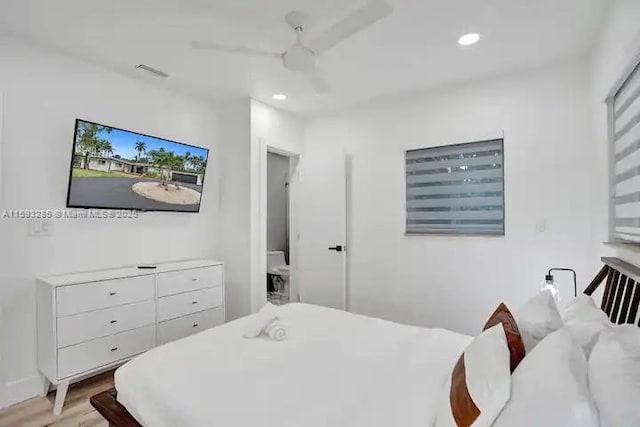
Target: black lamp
<point x="551" y="283"/>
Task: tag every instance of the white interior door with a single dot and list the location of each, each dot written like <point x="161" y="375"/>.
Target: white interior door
<point x="323" y="229"/>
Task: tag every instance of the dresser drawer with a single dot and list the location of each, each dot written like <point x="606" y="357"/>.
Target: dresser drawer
<point x="189" y="302"/>
<point x="103" y="351"/>
<point x="99" y="323"/>
<point x="181" y="327"/>
<point x="175" y="282"/>
<point x="108" y="293"/>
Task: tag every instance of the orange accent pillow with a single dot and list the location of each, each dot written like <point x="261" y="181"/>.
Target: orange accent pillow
<point x="514" y="340"/>
<point x="463" y="408"/>
<point x="480" y="383"/>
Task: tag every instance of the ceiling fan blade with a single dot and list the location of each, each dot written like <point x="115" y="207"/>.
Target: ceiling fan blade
<point x="241" y="50"/>
<point x="367" y="15"/>
<point x="317" y="81"/>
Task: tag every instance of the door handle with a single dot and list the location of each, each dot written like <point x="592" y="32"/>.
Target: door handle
<point x="338" y="248"/>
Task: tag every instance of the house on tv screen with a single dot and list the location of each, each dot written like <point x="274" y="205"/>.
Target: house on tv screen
<point x="116" y="164"/>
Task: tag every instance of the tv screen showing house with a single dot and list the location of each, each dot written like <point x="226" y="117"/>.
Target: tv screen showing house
<point x="113" y="168"/>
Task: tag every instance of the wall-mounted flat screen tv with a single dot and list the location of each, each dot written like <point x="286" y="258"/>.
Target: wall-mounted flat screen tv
<point x="114" y="168"/>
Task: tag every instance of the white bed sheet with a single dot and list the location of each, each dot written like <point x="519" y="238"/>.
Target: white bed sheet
<point x="336" y="369"/>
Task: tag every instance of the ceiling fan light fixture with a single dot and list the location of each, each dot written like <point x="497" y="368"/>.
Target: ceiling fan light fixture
<point x="279" y="96"/>
<point x="469" y="39"/>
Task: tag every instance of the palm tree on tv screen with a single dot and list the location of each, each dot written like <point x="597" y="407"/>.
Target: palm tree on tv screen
<point x="154" y="158"/>
<point x="88" y="141"/>
<point x="167" y="161"/>
<point x="186" y="160"/>
<point x="159" y="159"/>
<point x="141" y="147"/>
<point x="105" y="149"/>
<point x="174" y="162"/>
<point x="199" y="163"/>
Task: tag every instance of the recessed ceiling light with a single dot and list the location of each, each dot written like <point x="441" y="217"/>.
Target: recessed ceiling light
<point x="279" y="97"/>
<point x="469" y="39"/>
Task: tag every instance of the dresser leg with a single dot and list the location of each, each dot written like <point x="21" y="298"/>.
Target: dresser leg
<point x="45" y="387"/>
<point x="61" y="394"/>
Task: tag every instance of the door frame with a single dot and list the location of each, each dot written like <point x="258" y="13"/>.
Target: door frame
<point x="258" y="285"/>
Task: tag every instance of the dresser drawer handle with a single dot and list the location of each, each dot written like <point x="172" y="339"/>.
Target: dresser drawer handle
<point x="194" y="279"/>
<point x="113" y="321"/>
<point x="195" y="325"/>
<point x="114" y="349"/>
<point x="194" y="302"/>
<point x="111" y="294"/>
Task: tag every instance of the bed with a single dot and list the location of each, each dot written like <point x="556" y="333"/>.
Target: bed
<point x="357" y="371"/>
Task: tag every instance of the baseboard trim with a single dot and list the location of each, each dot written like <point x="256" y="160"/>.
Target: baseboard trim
<point x="21" y="390"/>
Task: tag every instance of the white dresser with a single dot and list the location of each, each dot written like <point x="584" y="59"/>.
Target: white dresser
<point x="88" y="322"/>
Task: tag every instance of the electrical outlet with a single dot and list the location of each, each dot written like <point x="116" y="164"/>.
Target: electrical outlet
<point x="39" y="227"/>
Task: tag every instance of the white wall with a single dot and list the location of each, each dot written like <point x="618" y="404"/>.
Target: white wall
<point x="618" y="47"/>
<point x="235" y="204"/>
<point x="277" y="176"/>
<point x="455" y="282"/>
<point x="247" y="128"/>
<point x="43" y="94"/>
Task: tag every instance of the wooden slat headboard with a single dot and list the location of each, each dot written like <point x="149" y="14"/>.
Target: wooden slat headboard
<point x="621" y="297"/>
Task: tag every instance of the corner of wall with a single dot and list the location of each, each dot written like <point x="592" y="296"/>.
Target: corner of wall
<point x="234" y="203"/>
<point x="20" y="390"/>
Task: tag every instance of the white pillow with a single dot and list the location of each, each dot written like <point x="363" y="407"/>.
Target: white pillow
<point x="586" y="334"/>
<point x="583" y="308"/>
<point x="537" y="318"/>
<point x="585" y="321"/>
<point x="549" y="388"/>
<point x="614" y="376"/>
<point x="480" y="380"/>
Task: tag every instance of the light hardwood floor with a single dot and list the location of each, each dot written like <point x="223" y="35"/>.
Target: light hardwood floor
<point x="77" y="411"/>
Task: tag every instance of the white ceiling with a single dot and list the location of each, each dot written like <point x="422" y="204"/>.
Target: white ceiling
<point x="414" y="48"/>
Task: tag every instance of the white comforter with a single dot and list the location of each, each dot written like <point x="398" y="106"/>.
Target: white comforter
<point x="336" y="369"/>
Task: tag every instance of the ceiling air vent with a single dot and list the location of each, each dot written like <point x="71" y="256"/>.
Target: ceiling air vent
<point x="152" y="70"/>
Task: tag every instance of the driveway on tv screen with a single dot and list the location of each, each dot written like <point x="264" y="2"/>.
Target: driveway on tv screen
<point x="134" y="193"/>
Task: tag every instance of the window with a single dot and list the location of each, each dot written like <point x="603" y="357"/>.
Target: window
<point x="624" y="113"/>
<point x="456" y="189"/>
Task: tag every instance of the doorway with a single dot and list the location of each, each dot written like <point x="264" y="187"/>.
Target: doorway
<point x="317" y="244"/>
<point x="278" y="228"/>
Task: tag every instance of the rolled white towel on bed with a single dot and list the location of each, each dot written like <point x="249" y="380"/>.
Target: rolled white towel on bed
<point x="257" y="323"/>
<point x="276" y="330"/>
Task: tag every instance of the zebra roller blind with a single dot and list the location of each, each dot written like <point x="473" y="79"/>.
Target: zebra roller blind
<point x="456" y="189"/>
<point x="625" y="134"/>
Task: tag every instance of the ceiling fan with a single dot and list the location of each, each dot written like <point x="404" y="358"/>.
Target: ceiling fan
<point x="301" y="56"/>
